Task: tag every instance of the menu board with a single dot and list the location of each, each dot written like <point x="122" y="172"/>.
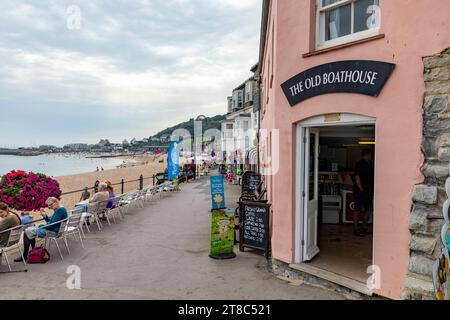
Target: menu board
<point x="250" y="181"/>
<point x="254" y="225"/>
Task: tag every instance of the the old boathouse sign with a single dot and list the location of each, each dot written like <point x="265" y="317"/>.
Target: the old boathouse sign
<point x="354" y="76"/>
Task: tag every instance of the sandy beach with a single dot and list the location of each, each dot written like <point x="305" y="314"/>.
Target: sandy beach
<point x="145" y="165"/>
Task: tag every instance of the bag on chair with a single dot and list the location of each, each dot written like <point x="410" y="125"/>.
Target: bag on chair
<point x="38" y="255"/>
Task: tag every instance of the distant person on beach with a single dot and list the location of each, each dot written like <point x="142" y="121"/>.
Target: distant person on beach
<point x="112" y="196"/>
<point x="9" y="220"/>
<point x="102" y="168"/>
<point x="98" y="169"/>
<point x="85" y="195"/>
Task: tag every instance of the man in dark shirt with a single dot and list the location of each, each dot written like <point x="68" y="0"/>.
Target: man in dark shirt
<point x="363" y="190"/>
<point x="85" y="195"/>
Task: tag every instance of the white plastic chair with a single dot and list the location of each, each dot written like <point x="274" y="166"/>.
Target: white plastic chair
<point x="113" y="210"/>
<point x="15" y="234"/>
<point x="93" y="211"/>
<point x="74" y="226"/>
<point x="83" y="222"/>
<point x="54" y="236"/>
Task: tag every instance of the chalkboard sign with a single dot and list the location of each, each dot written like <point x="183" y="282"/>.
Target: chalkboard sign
<point x="254" y="226"/>
<point x="250" y="181"/>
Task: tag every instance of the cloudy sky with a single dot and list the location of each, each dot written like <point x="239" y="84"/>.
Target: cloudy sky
<point x="127" y="68"/>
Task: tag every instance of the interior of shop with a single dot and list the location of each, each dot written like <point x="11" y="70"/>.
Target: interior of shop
<point x="341" y="251"/>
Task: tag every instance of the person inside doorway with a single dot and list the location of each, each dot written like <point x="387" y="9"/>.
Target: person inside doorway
<point x="363" y="190"/>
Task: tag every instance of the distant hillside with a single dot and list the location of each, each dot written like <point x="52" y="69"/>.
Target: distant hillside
<point x="208" y="123"/>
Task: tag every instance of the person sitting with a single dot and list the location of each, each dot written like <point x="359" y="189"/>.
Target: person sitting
<point x="85" y="195"/>
<point x="101" y="197"/>
<point x="9" y="220"/>
<point x="112" y="196"/>
<point x="26" y="219"/>
<point x="29" y="237"/>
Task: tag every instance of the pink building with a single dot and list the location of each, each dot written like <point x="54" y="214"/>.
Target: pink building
<point x="337" y="77"/>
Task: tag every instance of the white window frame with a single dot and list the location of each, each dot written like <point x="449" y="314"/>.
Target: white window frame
<point x="320" y="26"/>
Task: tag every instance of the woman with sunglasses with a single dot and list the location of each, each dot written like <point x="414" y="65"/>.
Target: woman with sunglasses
<point x="59" y="213"/>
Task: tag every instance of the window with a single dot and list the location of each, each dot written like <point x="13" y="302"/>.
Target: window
<point x="341" y="21"/>
<point x="240" y="99"/>
<point x="245" y="125"/>
<point x="229" y="126"/>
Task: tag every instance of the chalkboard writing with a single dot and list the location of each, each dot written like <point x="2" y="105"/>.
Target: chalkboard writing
<point x="254" y="225"/>
<point x="250" y="181"/>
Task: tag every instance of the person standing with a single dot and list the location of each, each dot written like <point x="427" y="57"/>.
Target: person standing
<point x="363" y="190"/>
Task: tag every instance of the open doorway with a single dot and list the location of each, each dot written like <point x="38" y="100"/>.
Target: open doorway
<point x="333" y="166"/>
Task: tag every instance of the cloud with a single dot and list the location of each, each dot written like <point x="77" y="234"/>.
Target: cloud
<point x="142" y="64"/>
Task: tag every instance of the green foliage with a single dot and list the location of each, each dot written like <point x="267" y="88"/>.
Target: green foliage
<point x="208" y="123"/>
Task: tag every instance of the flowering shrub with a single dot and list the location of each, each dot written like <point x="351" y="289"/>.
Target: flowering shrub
<point x="27" y="191"/>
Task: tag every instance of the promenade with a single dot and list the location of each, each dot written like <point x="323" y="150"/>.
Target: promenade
<point x="160" y="252"/>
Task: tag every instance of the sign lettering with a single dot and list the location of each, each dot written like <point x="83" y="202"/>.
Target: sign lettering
<point x="355" y="76"/>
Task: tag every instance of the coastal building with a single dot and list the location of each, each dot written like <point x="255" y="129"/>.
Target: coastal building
<point x="240" y="127"/>
<point x="76" y="147"/>
<point x="338" y="77"/>
<point x="47" y="148"/>
<point x="165" y="138"/>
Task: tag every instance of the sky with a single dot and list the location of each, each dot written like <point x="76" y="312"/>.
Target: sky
<point x="79" y="71"/>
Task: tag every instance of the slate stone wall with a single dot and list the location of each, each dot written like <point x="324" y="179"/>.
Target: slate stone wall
<point x="426" y="218"/>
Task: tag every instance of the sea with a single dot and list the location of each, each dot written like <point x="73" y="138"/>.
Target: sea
<point x="57" y="165"/>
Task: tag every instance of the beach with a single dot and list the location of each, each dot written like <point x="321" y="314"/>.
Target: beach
<point x="147" y="165"/>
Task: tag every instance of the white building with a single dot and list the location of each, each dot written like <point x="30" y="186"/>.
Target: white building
<point x="239" y="129"/>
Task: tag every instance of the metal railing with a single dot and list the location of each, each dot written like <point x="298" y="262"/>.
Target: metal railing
<point x="121" y="184"/>
<point x="156" y="178"/>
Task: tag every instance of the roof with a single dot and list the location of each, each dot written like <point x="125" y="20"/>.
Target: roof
<point x="242" y="86"/>
<point x="255" y="67"/>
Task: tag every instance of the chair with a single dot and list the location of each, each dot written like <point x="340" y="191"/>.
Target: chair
<point x="75" y="226"/>
<point x="140" y="198"/>
<point x="122" y="205"/>
<point x="151" y="194"/>
<point x="54" y="236"/>
<point x="83" y="212"/>
<point x="127" y="201"/>
<point x="93" y="211"/>
<point x="115" y="208"/>
<point x="135" y="199"/>
<point x="15" y="234"/>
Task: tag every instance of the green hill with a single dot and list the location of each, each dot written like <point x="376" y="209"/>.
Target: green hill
<point x="208" y="123"/>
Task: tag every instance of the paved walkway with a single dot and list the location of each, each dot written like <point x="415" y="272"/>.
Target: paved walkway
<point x="160" y="252"/>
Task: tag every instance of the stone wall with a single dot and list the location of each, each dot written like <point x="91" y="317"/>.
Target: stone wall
<point x="426" y="218"/>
